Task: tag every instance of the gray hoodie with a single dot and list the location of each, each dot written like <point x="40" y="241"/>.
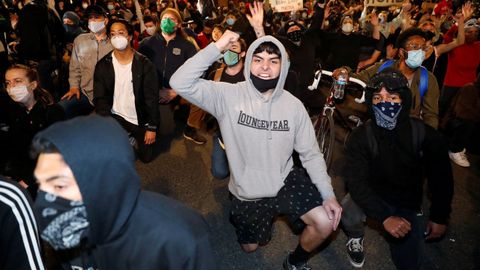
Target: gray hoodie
<point x="260" y="133"/>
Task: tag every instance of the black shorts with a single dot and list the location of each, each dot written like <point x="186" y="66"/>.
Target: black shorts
<point x="253" y="219"/>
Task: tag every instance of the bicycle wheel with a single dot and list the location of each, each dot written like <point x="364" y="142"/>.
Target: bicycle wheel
<point x="325" y="133"/>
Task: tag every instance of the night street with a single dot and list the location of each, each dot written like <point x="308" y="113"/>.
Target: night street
<point x="182" y="171"/>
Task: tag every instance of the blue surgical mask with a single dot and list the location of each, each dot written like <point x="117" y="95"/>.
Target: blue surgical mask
<point x="231" y="58"/>
<point x="230" y="21"/>
<point x="386" y="114"/>
<point x="415" y="58"/>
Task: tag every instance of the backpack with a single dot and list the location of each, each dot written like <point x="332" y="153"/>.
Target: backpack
<point x="418" y="134"/>
<point x="423" y="87"/>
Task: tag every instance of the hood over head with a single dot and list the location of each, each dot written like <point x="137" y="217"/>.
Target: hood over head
<point x="101" y="158"/>
<point x="394" y="82"/>
<point x="285" y="64"/>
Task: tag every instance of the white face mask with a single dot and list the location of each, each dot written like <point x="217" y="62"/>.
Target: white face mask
<point x="151" y="30"/>
<point x="84" y="5"/>
<point x="111" y="7"/>
<point x="347" y="28"/>
<point x="19" y="93"/>
<point x="119" y="42"/>
<point x="96" y="27"/>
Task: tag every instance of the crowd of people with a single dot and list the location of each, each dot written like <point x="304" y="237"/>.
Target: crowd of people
<point x="79" y="75"/>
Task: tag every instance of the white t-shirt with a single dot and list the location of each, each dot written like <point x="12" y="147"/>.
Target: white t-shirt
<point x="123" y="97"/>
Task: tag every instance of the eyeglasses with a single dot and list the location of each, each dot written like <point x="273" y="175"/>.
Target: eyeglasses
<point x="413" y="46"/>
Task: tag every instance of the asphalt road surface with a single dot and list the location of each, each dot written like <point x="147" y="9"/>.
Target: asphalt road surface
<point x="182" y="171"/>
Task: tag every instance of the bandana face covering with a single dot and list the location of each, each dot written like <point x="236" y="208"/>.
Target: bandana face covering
<point x="263" y="85"/>
<point x="386" y="114"/>
<point x="295" y="36"/>
<point x="62" y="223"/>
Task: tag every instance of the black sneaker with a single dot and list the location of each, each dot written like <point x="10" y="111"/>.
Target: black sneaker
<point x="355" y="251"/>
<point x="288" y="266"/>
<point x="191" y="134"/>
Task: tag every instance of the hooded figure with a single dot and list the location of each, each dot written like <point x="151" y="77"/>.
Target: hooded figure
<point x="384" y="170"/>
<point x="108" y="215"/>
<point x="261" y="125"/>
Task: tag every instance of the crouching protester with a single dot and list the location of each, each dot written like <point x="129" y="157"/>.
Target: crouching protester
<point x="90" y="205"/>
<point x="261" y="125"/>
<point x="384" y="173"/>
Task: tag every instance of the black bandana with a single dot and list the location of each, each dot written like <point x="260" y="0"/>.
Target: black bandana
<point x="263" y="85"/>
<point x="295" y="36"/>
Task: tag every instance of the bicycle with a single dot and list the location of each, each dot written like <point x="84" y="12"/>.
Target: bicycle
<point x="324" y="124"/>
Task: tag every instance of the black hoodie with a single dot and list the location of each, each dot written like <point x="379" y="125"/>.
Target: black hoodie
<point x="382" y="182"/>
<point x="129" y="228"/>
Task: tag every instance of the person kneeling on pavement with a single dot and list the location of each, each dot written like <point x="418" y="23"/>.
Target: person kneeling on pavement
<point x="384" y="174"/>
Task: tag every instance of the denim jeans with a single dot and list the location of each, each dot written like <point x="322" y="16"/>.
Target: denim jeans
<point x="219" y="168"/>
<point x="406" y="252"/>
<point x="76" y="107"/>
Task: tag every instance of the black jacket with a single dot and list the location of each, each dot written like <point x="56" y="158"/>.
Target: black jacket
<point x="19" y="244"/>
<point x="129" y="228"/>
<point x="393" y="177"/>
<point x="167" y="57"/>
<point x="145" y="89"/>
<point x="40" y="32"/>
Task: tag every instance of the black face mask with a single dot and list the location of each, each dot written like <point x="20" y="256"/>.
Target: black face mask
<point x="295" y="36"/>
<point x="263" y="85"/>
<point x="61" y="222"/>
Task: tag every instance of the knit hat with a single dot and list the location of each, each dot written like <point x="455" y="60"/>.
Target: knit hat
<point x="72" y="16"/>
<point x="174" y="12"/>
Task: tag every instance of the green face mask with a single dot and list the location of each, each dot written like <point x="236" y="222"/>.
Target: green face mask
<point x="167" y="26"/>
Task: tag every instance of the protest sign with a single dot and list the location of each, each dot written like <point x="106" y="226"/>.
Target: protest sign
<point x="286" y="5"/>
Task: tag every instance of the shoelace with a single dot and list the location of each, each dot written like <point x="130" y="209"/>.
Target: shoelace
<point x="355" y="245"/>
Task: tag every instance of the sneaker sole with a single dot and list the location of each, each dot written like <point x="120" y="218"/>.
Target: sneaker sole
<point x="355" y="264"/>
<point x="193" y="140"/>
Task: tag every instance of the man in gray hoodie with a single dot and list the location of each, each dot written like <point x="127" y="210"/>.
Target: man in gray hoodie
<point x="261" y="125"/>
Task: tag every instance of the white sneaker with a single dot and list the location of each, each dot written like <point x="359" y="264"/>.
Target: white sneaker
<point x="460" y="158"/>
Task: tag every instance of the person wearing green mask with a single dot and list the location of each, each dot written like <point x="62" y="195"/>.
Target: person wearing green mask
<point x="168" y="49"/>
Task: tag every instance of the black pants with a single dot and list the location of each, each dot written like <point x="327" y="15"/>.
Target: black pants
<point x="446" y="97"/>
<point x="461" y="133"/>
<point x="144" y="151"/>
<point x="407" y="252"/>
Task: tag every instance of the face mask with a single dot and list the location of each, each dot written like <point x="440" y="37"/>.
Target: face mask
<point x="347" y="28"/>
<point x="19" y="93"/>
<point x="231" y="58"/>
<point x="119" y="42"/>
<point x="263" y="85"/>
<point x="295" y="36"/>
<point x="381" y="20"/>
<point x="151" y="30"/>
<point x="96" y="27"/>
<point x="167" y="26"/>
<point x="84" y="5"/>
<point x="69" y="28"/>
<point x="415" y="58"/>
<point x="386" y="114"/>
<point x="111" y="7"/>
<point x="230" y="21"/>
<point x="62" y="223"/>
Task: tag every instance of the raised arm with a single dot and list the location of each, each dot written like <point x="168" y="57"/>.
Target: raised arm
<point x="256" y="19"/>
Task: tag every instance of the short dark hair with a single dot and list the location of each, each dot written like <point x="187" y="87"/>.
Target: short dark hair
<point x="148" y="18"/>
<point x="406" y="35"/>
<point x="42" y="146"/>
<point x="127" y="25"/>
<point x="268" y="47"/>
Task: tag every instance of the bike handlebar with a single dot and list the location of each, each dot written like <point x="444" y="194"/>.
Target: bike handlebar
<point x="318" y="76"/>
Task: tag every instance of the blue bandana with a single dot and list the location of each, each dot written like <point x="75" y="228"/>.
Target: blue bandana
<point x="386" y="114"/>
